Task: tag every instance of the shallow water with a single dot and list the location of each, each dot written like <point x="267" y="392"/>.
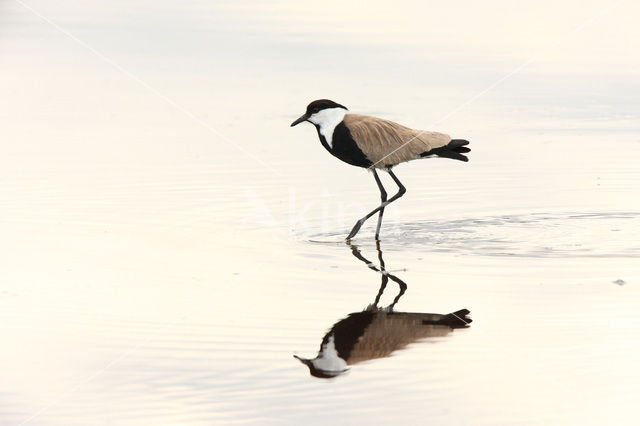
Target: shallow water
<point x="169" y="243"/>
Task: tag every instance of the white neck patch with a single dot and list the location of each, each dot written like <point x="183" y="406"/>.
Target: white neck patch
<point x="327" y="120"/>
<point x="328" y="358"/>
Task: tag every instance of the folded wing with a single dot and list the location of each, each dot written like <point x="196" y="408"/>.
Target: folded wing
<point x="386" y="143"/>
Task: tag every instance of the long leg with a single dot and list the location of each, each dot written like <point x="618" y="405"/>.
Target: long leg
<point x="383" y="198"/>
<point x="401" y="191"/>
<point x="380" y="259"/>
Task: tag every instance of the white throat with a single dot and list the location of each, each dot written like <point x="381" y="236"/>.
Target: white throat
<point x="327" y="120"/>
<point x="328" y="358"/>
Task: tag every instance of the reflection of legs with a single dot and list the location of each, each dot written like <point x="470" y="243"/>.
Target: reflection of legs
<point x="385" y="275"/>
<point x="403" y="288"/>
<point x="383" y="285"/>
<point x="401" y="191"/>
<point x="383" y="198"/>
<point x="359" y="256"/>
<point x="385" y="278"/>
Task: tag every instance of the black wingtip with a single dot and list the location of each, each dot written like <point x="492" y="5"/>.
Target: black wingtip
<point x="458" y="142"/>
<point x="454" y="150"/>
<point x="457" y="319"/>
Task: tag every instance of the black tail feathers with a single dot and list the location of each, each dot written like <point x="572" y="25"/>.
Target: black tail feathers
<point x="454" y="150"/>
<point x="457" y="319"/>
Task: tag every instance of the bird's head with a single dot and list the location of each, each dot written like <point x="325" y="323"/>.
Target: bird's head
<point x="318" y="370"/>
<point x="322" y="111"/>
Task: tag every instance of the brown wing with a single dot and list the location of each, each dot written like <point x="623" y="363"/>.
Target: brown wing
<point x="392" y="332"/>
<point x="386" y="143"/>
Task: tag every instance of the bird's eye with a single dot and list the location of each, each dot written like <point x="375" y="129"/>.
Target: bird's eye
<point x="313" y="111"/>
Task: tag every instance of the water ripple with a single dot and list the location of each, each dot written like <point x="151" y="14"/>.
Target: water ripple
<point x="540" y="235"/>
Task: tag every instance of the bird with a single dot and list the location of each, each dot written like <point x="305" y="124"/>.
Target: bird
<point x="376" y="144"/>
<point x="377" y="332"/>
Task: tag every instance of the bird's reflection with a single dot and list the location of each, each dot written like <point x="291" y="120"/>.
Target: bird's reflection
<point x="377" y="331"/>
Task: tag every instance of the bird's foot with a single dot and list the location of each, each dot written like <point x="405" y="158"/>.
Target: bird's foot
<point x="355" y="229"/>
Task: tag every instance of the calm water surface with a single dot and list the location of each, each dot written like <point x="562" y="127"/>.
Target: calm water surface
<point x="169" y="243"/>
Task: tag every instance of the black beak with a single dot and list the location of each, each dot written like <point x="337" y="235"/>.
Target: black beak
<point x="302" y="118"/>
<point x="305" y="361"/>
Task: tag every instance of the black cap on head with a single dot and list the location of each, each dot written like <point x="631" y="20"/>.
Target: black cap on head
<point x="321" y="104"/>
<point x="316" y="106"/>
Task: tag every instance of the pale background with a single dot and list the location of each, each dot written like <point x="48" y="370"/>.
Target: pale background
<point x="167" y="242"/>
